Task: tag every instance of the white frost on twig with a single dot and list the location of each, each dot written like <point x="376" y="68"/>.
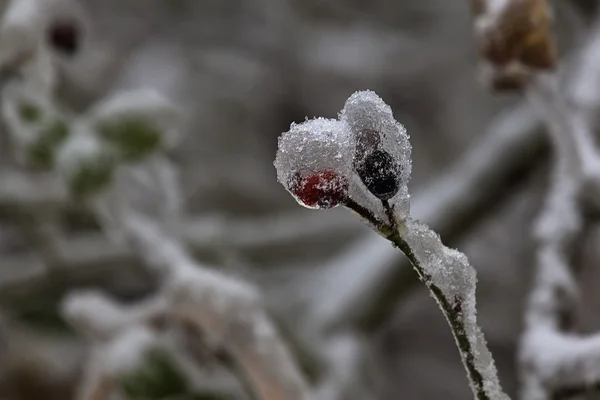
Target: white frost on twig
<point x="228" y="311"/>
<point x="552" y="359"/>
<point x="379" y="152"/>
<point x="510" y="140"/>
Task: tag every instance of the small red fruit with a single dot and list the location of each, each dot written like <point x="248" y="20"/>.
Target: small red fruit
<point x="321" y="189"/>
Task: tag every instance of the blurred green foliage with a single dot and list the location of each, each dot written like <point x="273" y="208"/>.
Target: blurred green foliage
<point x="133" y="137"/>
<point x="43" y="151"/>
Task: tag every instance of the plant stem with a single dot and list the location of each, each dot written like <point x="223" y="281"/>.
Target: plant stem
<point x="453" y="313"/>
<point x="452" y="309"/>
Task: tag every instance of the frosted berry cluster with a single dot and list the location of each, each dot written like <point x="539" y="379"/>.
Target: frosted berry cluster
<point x="363" y="155"/>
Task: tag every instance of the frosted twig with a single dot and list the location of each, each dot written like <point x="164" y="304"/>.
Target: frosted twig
<point x="552" y="360"/>
<point x="228" y="311"/>
<point x="508" y="145"/>
<point x="362" y="161"/>
<point x="345" y="352"/>
<point x="114" y="332"/>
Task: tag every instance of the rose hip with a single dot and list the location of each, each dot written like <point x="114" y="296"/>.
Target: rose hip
<point x="321" y="189"/>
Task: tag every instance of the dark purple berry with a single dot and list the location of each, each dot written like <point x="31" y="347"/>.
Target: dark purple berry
<point x="64" y="36"/>
<point x="380" y="173"/>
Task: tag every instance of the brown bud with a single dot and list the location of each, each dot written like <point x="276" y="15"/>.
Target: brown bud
<point x="538" y="52"/>
<point x="512" y="77"/>
<point x="521" y="31"/>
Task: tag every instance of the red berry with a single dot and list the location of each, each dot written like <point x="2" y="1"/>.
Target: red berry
<point x="321" y="189"/>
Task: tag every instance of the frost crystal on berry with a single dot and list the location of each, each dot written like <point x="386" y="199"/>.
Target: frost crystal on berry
<point x="381" y="148"/>
<point x="313" y="162"/>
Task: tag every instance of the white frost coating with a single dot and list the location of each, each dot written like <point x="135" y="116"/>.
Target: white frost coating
<point x="30" y="117"/>
<point x="14" y="96"/>
<point x="371" y="123"/>
<point x="144" y="105"/>
<point x="312" y="147"/>
<point x="373" y="148"/>
<point x="21" y="29"/>
<point x="22" y="44"/>
<point x="494" y="10"/>
<point x="449" y="270"/>
<point x="82" y="149"/>
<point x="150" y="187"/>
<point x="126" y="352"/>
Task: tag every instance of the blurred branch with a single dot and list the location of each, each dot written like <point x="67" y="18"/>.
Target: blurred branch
<point x="552" y="359"/>
<point x="106" y="323"/>
<point x="345" y="352"/>
<point x="367" y="273"/>
<point x="230" y="312"/>
<point x="87" y="255"/>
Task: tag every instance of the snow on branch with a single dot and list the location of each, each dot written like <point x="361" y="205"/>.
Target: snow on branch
<point x="111" y="158"/>
<point x="554" y="361"/>
<point x="468" y="186"/>
<point x="362" y="161"/>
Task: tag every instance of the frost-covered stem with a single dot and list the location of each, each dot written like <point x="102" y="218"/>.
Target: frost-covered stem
<point x="448" y="204"/>
<point x="554" y="361"/>
<point x="227" y="310"/>
<point x="454" y="317"/>
<point x="452" y="309"/>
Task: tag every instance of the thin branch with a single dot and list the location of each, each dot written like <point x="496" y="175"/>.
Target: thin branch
<point x="550" y="357"/>
<point x="86" y="256"/>
<point x="453" y="288"/>
<point x="229" y="311"/>
<point x="448" y="205"/>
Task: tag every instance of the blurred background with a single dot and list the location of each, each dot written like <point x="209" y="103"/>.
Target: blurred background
<point x="243" y="71"/>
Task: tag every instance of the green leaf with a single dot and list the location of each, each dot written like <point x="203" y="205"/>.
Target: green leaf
<point x="29" y="112"/>
<point x="92" y="176"/>
<point x="209" y="396"/>
<point x="133" y="137"/>
<point x="43" y="151"/>
<point x="158" y="378"/>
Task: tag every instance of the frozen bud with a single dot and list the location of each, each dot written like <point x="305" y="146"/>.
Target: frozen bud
<point x="313" y="162"/>
<point x="137" y="123"/>
<point x="381" y="146"/>
<point x="87" y="164"/>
